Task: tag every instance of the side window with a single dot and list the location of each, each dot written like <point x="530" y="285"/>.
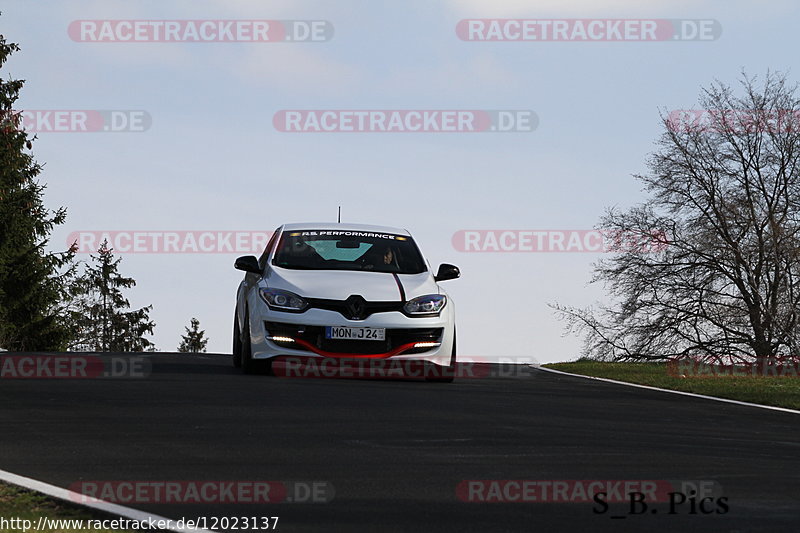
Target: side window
<point x="262" y="261"/>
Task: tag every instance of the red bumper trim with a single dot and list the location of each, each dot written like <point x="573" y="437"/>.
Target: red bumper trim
<point x="390" y="353"/>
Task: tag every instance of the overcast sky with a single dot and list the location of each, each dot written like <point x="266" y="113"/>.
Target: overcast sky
<point x="207" y="152"/>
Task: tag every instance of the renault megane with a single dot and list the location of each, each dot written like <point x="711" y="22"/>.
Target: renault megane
<point x="343" y="291"/>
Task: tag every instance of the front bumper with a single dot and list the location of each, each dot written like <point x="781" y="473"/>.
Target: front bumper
<point x="275" y="333"/>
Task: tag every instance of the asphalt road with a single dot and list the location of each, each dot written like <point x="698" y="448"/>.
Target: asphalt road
<point x="391" y="453"/>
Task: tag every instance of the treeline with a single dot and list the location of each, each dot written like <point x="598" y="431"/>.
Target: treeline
<point x="48" y="300"/>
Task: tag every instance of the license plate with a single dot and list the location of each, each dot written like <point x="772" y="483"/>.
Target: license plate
<point x="358" y="334"/>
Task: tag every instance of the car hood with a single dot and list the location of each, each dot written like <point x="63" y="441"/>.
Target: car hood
<point x="340" y="284"/>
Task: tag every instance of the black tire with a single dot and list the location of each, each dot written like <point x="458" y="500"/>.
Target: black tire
<point x="250" y="365"/>
<point x="445" y="374"/>
<point x="237" y="342"/>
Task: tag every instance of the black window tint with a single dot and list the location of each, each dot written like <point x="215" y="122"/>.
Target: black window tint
<point x="348" y="250"/>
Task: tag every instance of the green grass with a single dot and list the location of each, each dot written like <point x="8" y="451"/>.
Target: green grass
<point x="25" y="504"/>
<point x="771" y="390"/>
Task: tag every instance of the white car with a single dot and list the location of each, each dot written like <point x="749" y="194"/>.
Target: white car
<point x="343" y="291"/>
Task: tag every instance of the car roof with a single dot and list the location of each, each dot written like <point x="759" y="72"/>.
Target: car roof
<point x="305" y="226"/>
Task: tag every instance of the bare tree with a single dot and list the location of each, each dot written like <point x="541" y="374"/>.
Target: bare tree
<point x="724" y="188"/>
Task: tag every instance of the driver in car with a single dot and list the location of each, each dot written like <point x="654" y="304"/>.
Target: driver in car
<point x="301" y="253"/>
<point x="381" y="257"/>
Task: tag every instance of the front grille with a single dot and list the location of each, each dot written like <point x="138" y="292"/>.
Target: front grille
<point x="363" y="310"/>
<point x="315" y="335"/>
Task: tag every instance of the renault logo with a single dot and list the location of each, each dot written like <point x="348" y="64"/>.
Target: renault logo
<point x="356" y="307"/>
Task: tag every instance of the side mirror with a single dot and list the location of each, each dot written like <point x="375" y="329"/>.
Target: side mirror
<point x="248" y="263"/>
<point x="446" y="272"/>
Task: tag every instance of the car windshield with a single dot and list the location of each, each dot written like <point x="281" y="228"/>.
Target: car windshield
<point x="348" y="250"/>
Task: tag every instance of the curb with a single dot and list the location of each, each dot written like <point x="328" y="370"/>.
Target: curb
<point x="74" y="498"/>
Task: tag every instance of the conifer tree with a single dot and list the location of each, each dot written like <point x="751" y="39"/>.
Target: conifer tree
<point x="99" y="309"/>
<point x="194" y="341"/>
<point x="32" y="280"/>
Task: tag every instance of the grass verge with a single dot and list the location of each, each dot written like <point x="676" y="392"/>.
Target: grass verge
<point x="18" y="505"/>
<point x="766" y="390"/>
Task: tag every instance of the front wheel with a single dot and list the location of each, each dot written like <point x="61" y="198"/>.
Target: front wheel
<point x="237" y="343"/>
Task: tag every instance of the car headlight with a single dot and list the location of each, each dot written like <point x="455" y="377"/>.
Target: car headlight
<point x="283" y="300"/>
<point x="430" y="304"/>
